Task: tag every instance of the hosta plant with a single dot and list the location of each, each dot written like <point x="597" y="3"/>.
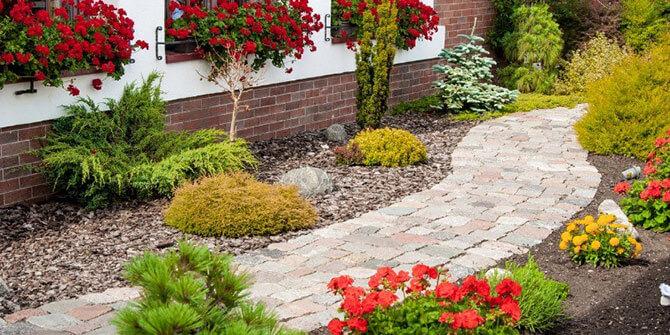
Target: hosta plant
<point x="467" y="86"/>
<point x="599" y="241"/>
<point x="647" y="201"/>
<point x="425" y="302"/>
<point x="416" y="20"/>
<point x="47" y="47"/>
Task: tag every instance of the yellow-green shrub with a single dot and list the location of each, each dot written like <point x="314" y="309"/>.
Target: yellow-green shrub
<point x="644" y="22"/>
<point x="595" y="61"/>
<point x="236" y="205"/>
<point x="629" y="108"/>
<point x="389" y="147"/>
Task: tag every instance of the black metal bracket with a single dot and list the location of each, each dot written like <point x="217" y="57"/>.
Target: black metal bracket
<point x="328" y="27"/>
<point x="158" y="30"/>
<point x="31" y="90"/>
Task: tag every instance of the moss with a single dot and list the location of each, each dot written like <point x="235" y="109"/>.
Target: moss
<point x="629" y="108"/>
<point x="236" y="205"/>
<point x="389" y="147"/>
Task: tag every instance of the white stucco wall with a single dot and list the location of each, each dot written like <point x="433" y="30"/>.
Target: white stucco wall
<point x="181" y="79"/>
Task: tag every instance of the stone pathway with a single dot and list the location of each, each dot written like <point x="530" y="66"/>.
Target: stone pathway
<point x="515" y="180"/>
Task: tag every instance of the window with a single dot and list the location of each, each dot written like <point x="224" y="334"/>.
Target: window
<point x="182" y="50"/>
<point x="50" y="5"/>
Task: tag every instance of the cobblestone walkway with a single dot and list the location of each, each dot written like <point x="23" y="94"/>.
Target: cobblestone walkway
<point x="515" y="180"/>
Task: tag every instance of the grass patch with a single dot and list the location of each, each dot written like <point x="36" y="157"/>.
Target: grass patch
<point x="525" y="103"/>
<point x="421" y="105"/>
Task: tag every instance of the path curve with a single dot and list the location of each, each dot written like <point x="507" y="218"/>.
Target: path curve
<point x="515" y="179"/>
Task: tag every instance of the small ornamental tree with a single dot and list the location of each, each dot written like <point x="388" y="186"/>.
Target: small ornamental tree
<point x="47" y="47"/>
<point x="238" y="40"/>
<point x="467" y="79"/>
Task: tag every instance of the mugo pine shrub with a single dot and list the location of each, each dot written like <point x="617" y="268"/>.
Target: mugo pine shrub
<point x="466" y="86"/>
<point x="629" y="108"/>
<point x="541" y="299"/>
<point x="647" y="201"/>
<point x="386" y="147"/>
<point x="193" y="291"/>
<point x="99" y="157"/>
<point x="236" y="205"/>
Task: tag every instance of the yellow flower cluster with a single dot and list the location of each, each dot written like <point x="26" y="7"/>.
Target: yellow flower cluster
<point x="599" y="241"/>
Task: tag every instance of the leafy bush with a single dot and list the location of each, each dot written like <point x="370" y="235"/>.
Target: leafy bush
<point x="647" y="201"/>
<point x="426" y="104"/>
<point x="541" y="299"/>
<point x="599" y="241"/>
<point x="535" y="46"/>
<point x="595" y="61"/>
<point x="192" y="290"/>
<point x="526" y="102"/>
<point x="628" y="108"/>
<point x="467" y="79"/>
<point x="348" y="155"/>
<point x="374" y="60"/>
<point x="644" y="22"/>
<point x="237" y="205"/>
<point x="98" y="157"/>
<point x="445" y="308"/>
<point x="389" y="147"/>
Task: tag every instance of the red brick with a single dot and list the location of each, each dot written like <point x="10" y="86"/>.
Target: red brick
<point x="23" y="314"/>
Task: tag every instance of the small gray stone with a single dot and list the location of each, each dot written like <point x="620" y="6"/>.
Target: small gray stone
<point x="610" y="207"/>
<point x="336" y="133"/>
<point x="311" y="181"/>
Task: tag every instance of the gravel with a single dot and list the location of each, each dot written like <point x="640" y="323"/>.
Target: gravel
<point x="58" y="250"/>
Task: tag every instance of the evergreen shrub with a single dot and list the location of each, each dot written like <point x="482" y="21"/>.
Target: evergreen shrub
<point x="386" y="147"/>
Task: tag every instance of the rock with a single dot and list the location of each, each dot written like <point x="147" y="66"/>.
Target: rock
<point x="311" y="181"/>
<point x="609" y="206"/>
<point x="4" y="289"/>
<point x="497" y="273"/>
<point x="336" y="133"/>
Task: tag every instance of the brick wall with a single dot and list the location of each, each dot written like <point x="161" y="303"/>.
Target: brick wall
<point x="276" y="111"/>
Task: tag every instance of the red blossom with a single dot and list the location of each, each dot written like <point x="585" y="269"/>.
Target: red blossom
<point x="468" y="319"/>
<point x="74" y="91"/>
<point x="97" y="84"/>
<point x="622" y="187"/>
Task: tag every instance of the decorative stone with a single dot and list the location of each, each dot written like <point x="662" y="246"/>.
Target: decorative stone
<point x="311" y="181"/>
<point x="53" y="321"/>
<point x="336" y="133"/>
<point x="497" y="273"/>
<point x="610" y="207"/>
<point x="4" y="289"/>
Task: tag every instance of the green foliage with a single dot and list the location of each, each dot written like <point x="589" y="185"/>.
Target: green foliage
<point x="99" y="157"/>
<point x="541" y="299"/>
<point x="644" y="22"/>
<point x="192" y="291"/>
<point x="389" y="147"/>
<point x="526" y="102"/>
<point x="595" y="61"/>
<point x="374" y="62"/>
<point x="426" y="104"/>
<point x="236" y="205"/>
<point x="535" y="47"/>
<point x="629" y="108"/>
<point x="467" y="80"/>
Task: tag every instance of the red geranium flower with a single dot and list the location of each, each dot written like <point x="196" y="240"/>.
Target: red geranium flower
<point x="336" y="327"/>
<point x="468" y="319"/>
<point x="74" y="91"/>
<point x="97" y="84"/>
<point x="622" y="187"/>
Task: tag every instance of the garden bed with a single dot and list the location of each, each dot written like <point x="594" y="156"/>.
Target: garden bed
<point x="622" y="300"/>
<point x="72" y="252"/>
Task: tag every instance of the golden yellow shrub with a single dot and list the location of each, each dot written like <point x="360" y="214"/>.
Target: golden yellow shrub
<point x="389" y="147"/>
<point x="235" y="205"/>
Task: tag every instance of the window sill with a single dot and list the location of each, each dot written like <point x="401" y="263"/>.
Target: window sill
<point x="177" y="57"/>
<point x="28" y="79"/>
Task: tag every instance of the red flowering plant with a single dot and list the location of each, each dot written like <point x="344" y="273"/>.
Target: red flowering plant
<point x="39" y="45"/>
<point x="400" y="303"/>
<point x="267" y="30"/>
<point x="415" y="20"/>
<point x="647" y="201"/>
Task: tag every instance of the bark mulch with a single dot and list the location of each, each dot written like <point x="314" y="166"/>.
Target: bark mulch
<point x="58" y="250"/>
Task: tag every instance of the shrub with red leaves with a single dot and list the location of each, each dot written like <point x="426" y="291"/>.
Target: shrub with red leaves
<point x="268" y="30"/>
<point x="403" y="303"/>
<point x="44" y="46"/>
<point x="415" y="19"/>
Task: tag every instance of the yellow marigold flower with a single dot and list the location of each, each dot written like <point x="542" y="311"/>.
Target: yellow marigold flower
<point x="563" y="245"/>
<point x="620" y="250"/>
<point x="595" y="245"/>
<point x="571" y="227"/>
<point x="638" y="248"/>
<point x="606" y="219"/>
<point x="617" y="225"/>
<point x="566" y="236"/>
<point x="614" y="241"/>
<point x="580" y="239"/>
<point x="589" y="219"/>
<point x="631" y="240"/>
<point x="576" y="249"/>
<point x="592" y="228"/>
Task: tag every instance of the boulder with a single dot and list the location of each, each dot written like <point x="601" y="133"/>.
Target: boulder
<point x="609" y="206"/>
<point x="336" y="133"/>
<point x="311" y="181"/>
